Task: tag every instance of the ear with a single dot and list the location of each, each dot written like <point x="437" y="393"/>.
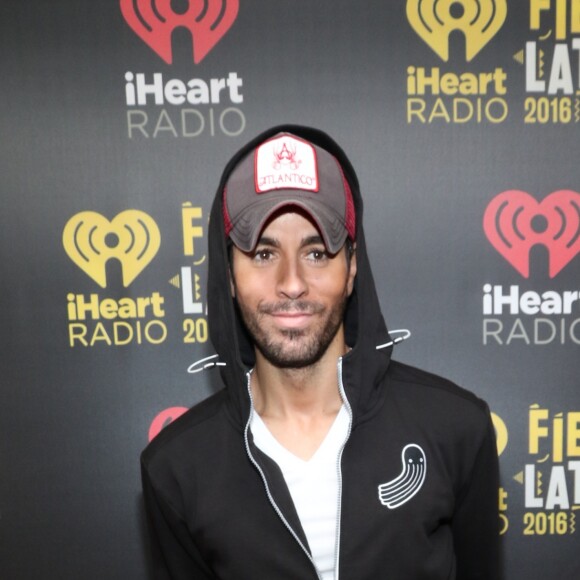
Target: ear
<point x="351" y="271"/>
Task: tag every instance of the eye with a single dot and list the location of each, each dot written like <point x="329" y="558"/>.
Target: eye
<point x="318" y="255"/>
<point x="263" y="255"/>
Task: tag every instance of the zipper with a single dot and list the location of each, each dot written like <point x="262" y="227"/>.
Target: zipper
<point x="339" y="469"/>
<point x="267" y="487"/>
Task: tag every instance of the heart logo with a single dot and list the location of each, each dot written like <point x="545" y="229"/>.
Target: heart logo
<point x="155" y="20"/>
<point x="435" y="20"/>
<point x="514" y="222"/>
<point x="90" y="240"/>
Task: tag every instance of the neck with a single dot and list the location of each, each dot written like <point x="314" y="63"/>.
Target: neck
<point x="313" y="390"/>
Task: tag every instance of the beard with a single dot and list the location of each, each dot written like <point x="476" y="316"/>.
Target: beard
<point x="293" y="348"/>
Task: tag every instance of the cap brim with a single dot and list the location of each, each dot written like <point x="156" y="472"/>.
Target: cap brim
<point x="248" y="227"/>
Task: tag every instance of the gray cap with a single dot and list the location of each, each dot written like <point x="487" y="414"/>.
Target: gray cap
<point x="287" y="170"/>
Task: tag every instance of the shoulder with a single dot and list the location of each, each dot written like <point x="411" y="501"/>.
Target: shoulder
<point x="192" y="431"/>
<point x="436" y="400"/>
<point x="430" y="384"/>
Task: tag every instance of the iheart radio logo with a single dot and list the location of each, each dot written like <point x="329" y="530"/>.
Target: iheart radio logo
<point x="514" y="222"/>
<point x="435" y="20"/>
<point x="91" y="240"/>
<point x="155" y="20"/>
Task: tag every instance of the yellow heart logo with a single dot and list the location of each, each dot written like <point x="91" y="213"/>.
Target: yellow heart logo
<point x="91" y="240"/>
<point x="435" y="20"/>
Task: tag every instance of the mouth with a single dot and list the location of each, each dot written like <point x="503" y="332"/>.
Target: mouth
<point x="294" y="320"/>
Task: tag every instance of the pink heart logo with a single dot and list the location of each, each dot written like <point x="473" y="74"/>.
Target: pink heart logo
<point x="514" y="222"/>
<point x="154" y="22"/>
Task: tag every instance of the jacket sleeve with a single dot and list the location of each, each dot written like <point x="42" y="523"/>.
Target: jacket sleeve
<point x="174" y="555"/>
<point x="476" y="519"/>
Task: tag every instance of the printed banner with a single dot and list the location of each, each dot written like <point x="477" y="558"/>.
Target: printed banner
<point x="462" y="121"/>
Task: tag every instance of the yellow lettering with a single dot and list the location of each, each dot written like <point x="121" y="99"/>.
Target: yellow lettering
<point x="128" y="335"/>
<point x="162" y="329"/>
<point x="100" y="334"/>
<point x="503" y="495"/>
<point x="561" y="10"/>
<point x="573" y="443"/>
<point x="439" y="110"/>
<point x="469" y="84"/>
<point x="536" y="430"/>
<point x="558" y="437"/>
<point x="449" y="83"/>
<point x="190" y="232"/>
<point x="77" y="331"/>
<point x="108" y="308"/>
<point x="127" y="308"/>
<point x="142" y="304"/>
<point x="157" y="302"/>
<point x="536" y="7"/>
<point x="575" y="17"/>
<point x="415" y="107"/>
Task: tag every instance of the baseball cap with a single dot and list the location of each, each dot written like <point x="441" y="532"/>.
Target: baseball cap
<point x="287" y="170"/>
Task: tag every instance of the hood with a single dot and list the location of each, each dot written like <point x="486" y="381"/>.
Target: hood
<point x="364" y="366"/>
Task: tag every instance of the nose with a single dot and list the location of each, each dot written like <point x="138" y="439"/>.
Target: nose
<point x="291" y="281"/>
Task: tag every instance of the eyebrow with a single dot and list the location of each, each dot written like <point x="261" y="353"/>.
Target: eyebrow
<point x="312" y="240"/>
<point x="266" y="241"/>
<point x="309" y="241"/>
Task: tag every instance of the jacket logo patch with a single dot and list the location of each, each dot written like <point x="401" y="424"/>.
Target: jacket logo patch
<point x="400" y="490"/>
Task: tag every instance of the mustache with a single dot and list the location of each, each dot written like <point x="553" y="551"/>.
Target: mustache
<point x="292" y="306"/>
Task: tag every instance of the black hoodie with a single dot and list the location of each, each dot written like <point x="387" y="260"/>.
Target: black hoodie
<point x="418" y="474"/>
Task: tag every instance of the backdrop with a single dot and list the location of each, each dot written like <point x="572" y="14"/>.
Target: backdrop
<point x="462" y="120"/>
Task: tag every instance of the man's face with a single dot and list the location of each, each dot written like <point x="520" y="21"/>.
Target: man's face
<point x="291" y="292"/>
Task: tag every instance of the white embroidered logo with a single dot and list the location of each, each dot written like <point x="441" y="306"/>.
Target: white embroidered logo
<point x="400" y="490"/>
<point x="286" y="163"/>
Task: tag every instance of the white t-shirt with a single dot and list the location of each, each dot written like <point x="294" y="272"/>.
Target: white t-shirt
<point x="313" y="485"/>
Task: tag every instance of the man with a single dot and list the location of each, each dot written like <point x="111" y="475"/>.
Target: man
<point x="322" y="457"/>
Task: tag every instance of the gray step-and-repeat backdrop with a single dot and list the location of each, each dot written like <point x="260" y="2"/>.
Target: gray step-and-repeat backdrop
<point x="463" y="121"/>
